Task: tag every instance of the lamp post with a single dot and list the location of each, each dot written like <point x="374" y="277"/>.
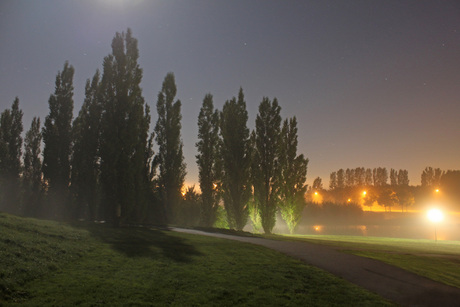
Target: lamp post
<point x="435" y="216"/>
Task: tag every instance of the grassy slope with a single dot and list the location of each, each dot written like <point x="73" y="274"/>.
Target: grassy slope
<point x="47" y="263"/>
<point x="436" y="260"/>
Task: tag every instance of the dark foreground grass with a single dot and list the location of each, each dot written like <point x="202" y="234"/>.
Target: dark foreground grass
<point x="439" y="261"/>
<point x="46" y="263"/>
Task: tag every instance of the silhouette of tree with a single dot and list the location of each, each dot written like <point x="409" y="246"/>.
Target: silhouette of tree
<point x="57" y="139"/>
<point x="265" y="162"/>
<point x="236" y="155"/>
<point x="124" y="145"/>
<point x="170" y="158"/>
<point x="333" y="181"/>
<point x="10" y="157"/>
<point x="340" y="179"/>
<point x="85" y="157"/>
<point x="293" y="175"/>
<point x="431" y="177"/>
<point x="32" y="176"/>
<point x="208" y="161"/>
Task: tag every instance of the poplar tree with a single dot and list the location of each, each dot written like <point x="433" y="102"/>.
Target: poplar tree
<point x="208" y="161"/>
<point x="340" y="179"/>
<point x="393" y="177"/>
<point x="85" y="156"/>
<point x="10" y="156"/>
<point x="169" y="158"/>
<point x="124" y="141"/>
<point x="317" y="184"/>
<point x="333" y="181"/>
<point x="57" y="139"/>
<point x="293" y="175"/>
<point x="265" y="162"/>
<point x="403" y="177"/>
<point x="32" y="176"/>
<point x="236" y="155"/>
<point x="368" y="179"/>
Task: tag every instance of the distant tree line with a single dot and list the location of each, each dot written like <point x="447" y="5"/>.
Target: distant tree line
<point x="374" y="187"/>
<point x="102" y="164"/>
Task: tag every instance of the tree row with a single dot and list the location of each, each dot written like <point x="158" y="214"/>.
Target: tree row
<point x="102" y="164"/>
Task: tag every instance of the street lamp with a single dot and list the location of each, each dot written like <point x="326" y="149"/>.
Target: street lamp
<point x="435" y="216"/>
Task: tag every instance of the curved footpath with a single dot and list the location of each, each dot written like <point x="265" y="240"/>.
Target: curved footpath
<point x="395" y="284"/>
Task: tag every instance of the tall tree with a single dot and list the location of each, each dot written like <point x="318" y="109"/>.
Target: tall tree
<point x="293" y="175"/>
<point x="10" y="156"/>
<point x="340" y="178"/>
<point x="431" y="177"/>
<point x="333" y="181"/>
<point x="208" y="161"/>
<point x="360" y="176"/>
<point x="403" y="177"/>
<point x="380" y="175"/>
<point x="57" y="139"/>
<point x="349" y="177"/>
<point x="393" y="177"/>
<point x="124" y="143"/>
<point x="266" y="164"/>
<point x="170" y="156"/>
<point x="32" y="176"/>
<point x="317" y="184"/>
<point x="236" y="155"/>
<point x="85" y="156"/>
<point x="368" y="179"/>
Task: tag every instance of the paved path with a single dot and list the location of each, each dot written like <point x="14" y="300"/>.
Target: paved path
<point x="395" y="284"/>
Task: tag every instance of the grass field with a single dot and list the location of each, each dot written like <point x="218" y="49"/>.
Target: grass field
<point x="49" y="263"/>
<point x="439" y="261"/>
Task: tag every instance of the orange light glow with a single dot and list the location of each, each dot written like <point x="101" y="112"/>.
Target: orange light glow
<point x="364" y="193"/>
<point x="349" y="200"/>
<point x="435" y="215"/>
<point x="316" y="193"/>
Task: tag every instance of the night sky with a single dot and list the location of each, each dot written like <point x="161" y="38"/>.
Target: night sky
<point x="372" y="83"/>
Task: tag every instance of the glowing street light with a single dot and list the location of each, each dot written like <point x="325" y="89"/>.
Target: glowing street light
<point x="435" y="216"/>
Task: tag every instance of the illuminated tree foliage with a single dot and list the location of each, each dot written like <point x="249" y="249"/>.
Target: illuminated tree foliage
<point x="170" y="157"/>
<point x="208" y="161"/>
<point x="32" y="175"/>
<point x="10" y="157"/>
<point x="124" y="143"/>
<point x="266" y="162"/>
<point x="85" y="156"/>
<point x="236" y="155"/>
<point x="293" y="175"/>
<point x="57" y="139"/>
